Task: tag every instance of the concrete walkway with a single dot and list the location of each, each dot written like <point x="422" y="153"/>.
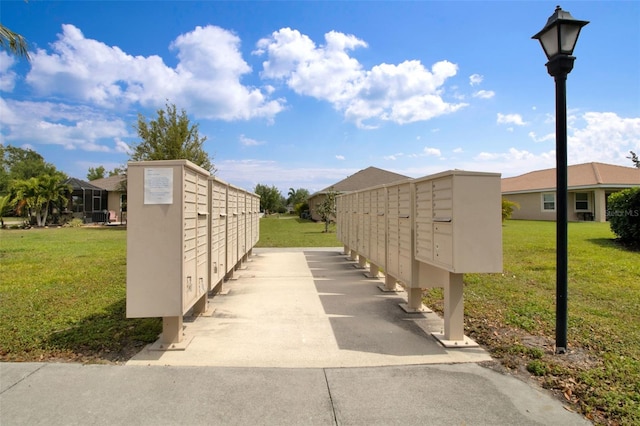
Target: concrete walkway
<point x="301" y="338"/>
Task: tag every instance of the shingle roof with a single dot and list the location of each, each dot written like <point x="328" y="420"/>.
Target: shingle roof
<point x="111" y="183"/>
<point x="579" y="176"/>
<point x="78" y="184"/>
<point x="371" y="176"/>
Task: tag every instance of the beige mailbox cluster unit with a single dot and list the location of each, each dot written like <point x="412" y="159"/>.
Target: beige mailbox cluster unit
<point x="180" y="241"/>
<point x="426" y="233"/>
<point x="235" y="228"/>
<point x="458" y="221"/>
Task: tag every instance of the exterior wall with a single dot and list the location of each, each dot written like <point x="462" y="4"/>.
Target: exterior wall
<point x="313" y="204"/>
<point x="531" y="206"/>
<point x="113" y="204"/>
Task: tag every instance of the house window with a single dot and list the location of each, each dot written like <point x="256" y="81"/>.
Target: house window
<point x="77" y="204"/>
<point x="582" y="201"/>
<point x="97" y="202"/>
<point x="548" y="202"/>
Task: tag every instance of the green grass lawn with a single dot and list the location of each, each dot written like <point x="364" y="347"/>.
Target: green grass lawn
<point x="290" y="231"/>
<point x="513" y="314"/>
<point x="62" y="297"/>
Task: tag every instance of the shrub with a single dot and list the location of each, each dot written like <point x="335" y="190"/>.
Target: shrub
<point x="507" y="208"/>
<point x="301" y="207"/>
<point x="75" y="223"/>
<point x="623" y="212"/>
<point x="537" y="368"/>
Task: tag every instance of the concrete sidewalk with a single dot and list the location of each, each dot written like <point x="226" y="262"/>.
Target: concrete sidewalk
<point x="302" y="338"/>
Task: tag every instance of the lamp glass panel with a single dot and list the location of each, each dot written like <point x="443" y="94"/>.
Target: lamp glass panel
<point x="549" y="41"/>
<point x="569" y="34"/>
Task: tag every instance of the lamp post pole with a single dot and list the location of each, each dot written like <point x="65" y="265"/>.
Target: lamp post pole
<point x="558" y="39"/>
<point x="559" y="68"/>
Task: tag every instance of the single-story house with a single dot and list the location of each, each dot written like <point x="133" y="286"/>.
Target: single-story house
<point x="116" y="187"/>
<point x="87" y="201"/>
<point x="366" y="178"/>
<point x="589" y="185"/>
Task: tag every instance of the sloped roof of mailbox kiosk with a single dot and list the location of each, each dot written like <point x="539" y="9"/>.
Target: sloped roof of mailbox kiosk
<point x="580" y="176"/>
<point x="365" y="178"/>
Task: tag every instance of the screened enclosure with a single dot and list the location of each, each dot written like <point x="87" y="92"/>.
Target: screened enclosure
<point x="87" y="201"/>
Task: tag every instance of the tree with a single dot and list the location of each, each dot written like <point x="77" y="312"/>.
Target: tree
<point x="298" y="196"/>
<point x="270" y="198"/>
<point x="4" y="205"/>
<point x="507" y="208"/>
<point x="95" y="173"/>
<point x="38" y="194"/>
<point x="327" y="208"/>
<point x="21" y="164"/>
<point x="14" y="43"/>
<point x="117" y="171"/>
<point x="634" y="158"/>
<point x="170" y="137"/>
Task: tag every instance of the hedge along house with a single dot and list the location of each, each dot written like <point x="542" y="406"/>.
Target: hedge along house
<point x="589" y="185"/>
<point x="87" y="201"/>
<point x="116" y="187"/>
<point x="366" y="178"/>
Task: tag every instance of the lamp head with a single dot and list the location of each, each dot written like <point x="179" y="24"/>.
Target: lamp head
<point x="560" y="34"/>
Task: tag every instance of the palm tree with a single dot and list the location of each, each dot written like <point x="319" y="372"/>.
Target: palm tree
<point x="24" y="195"/>
<point x="13" y="42"/>
<point x="52" y="191"/>
<point x="4" y="203"/>
<point x="292" y="195"/>
<point x="37" y="194"/>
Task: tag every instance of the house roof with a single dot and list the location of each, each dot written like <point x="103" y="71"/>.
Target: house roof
<point x="111" y="183"/>
<point x="371" y="176"/>
<point x="579" y="176"/>
<point x="79" y="185"/>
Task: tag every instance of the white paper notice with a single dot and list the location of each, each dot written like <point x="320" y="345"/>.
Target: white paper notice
<point x="158" y="186"/>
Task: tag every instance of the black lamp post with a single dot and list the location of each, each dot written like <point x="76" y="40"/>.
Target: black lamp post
<point x="558" y="39"/>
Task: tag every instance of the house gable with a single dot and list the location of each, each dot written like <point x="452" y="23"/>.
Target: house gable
<point x="371" y="176"/>
<point x="366" y="178"/>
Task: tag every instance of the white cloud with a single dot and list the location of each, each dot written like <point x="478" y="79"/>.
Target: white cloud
<point x="206" y="81"/>
<point x="475" y="79"/>
<point x="402" y="93"/>
<point x="245" y="141"/>
<point x="431" y="151"/>
<point x="484" y="94"/>
<point x="458" y="150"/>
<point x="72" y="127"/>
<point x="393" y="157"/>
<point x="340" y="157"/>
<point x="250" y="172"/>
<point x="325" y="72"/>
<point x="511" y="119"/>
<point x="121" y="146"/>
<point x="7" y="77"/>
<point x="547" y="137"/>
<point x="513" y="162"/>
<point x="605" y="137"/>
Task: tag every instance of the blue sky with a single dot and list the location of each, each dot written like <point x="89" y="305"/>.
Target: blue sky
<point x="304" y="94"/>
